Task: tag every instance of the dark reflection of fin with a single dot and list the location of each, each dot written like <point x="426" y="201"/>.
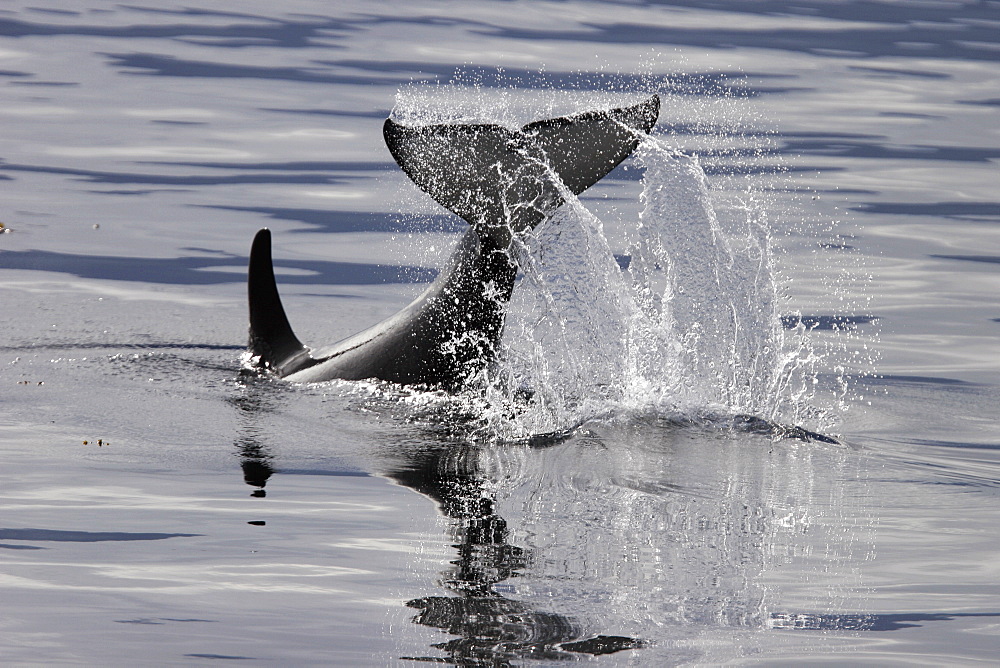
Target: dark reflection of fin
<point x="256" y="469"/>
<point x="251" y="400"/>
<point x="492" y="630"/>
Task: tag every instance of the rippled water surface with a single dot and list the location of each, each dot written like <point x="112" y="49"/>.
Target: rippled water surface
<point x="159" y="507"/>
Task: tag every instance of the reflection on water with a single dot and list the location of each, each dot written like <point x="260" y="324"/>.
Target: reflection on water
<point x="251" y="401"/>
<point x="643" y="535"/>
<point x="635" y="535"/>
<point x="492" y="629"/>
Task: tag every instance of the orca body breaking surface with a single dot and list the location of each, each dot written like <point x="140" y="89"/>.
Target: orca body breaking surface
<point x="503" y="183"/>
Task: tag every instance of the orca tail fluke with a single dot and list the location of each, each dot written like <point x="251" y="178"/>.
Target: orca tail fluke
<point x="582" y="149"/>
<point x="272" y="342"/>
<point x="500" y="180"/>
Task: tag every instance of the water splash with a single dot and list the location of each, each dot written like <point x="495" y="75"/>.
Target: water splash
<point x="690" y="328"/>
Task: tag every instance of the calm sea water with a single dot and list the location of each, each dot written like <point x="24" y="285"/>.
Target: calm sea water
<point x="160" y="508"/>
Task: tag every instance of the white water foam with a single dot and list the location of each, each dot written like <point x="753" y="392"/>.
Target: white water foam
<point x="691" y="328"/>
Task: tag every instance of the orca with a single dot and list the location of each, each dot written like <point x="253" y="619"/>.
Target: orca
<point x="503" y="182"/>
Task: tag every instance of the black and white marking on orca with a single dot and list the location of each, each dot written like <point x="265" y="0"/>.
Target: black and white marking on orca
<point x="503" y="183"/>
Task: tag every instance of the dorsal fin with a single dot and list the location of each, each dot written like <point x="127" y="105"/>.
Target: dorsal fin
<point x="271" y="336"/>
<point x="499" y="180"/>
